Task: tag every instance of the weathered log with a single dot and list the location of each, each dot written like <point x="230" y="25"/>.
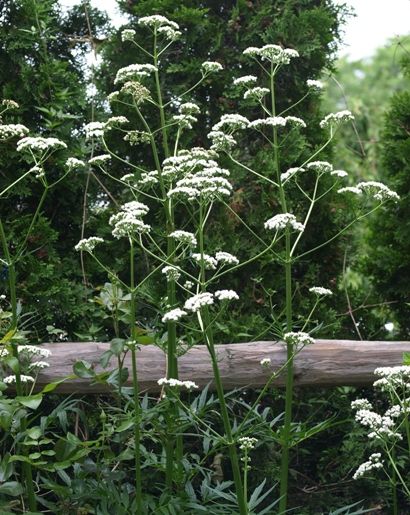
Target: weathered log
<point x="325" y="363"/>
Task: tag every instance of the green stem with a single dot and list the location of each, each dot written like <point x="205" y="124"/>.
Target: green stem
<point x="137" y="419"/>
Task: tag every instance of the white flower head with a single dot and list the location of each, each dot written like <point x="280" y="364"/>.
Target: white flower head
<point x="128" y="221"/>
<point x="320" y="166"/>
<point x="298" y="339"/>
<point x="128" y="34"/>
<point x="184" y="237"/>
<point x="100" y="160"/>
<point x="172" y="272"/>
<point x="39" y="144"/>
<point x="156" y="20"/>
<point x="174" y="315"/>
<point x="256" y="93"/>
<point x="73" y="163"/>
<point x="196" y="302"/>
<point x="285" y="176"/>
<point x="315" y="84"/>
<point x="39" y="365"/>
<point x="23" y="379"/>
<point x="246" y="80"/>
<point x="265" y="362"/>
<point x="378" y="190"/>
<point x="320" y="291"/>
<point x="88" y="244"/>
<point x="13" y="130"/>
<point x="339" y="173"/>
<point x="226" y="258"/>
<point x="176" y="383"/>
<point x="209" y="261"/>
<point x="374" y="462"/>
<point x="189" y="108"/>
<point x="94" y="130"/>
<point x="226" y="295"/>
<point x="247" y="443"/>
<point x="284" y="221"/>
<point x="361" y="404"/>
<point x="134" y="72"/>
<point x="335" y="119"/>
<point x="211" y="67"/>
<point x="9" y="104"/>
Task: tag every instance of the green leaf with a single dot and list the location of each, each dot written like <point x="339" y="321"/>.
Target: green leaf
<point x="117" y="346"/>
<point x="8" y="336"/>
<point x="30" y="401"/>
<point x="124" y="426"/>
<point x="145" y="340"/>
<point x="406" y="358"/>
<point x="34" y="433"/>
<point x="83" y="369"/>
<point x="13" y="363"/>
<point x="11" y="488"/>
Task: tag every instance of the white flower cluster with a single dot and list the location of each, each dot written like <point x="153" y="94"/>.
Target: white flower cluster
<point x="381" y="426"/>
<point x="174" y="315"/>
<point x="128" y="220"/>
<point x="100" y="160"/>
<point x="187" y="162"/>
<point x="13" y="130"/>
<point x="94" y="130"/>
<point x="210" y="262"/>
<point x="226" y="258"/>
<point x="185" y="121"/>
<point x="184" y="237"/>
<point x="339" y="173"/>
<point x="40" y="144"/>
<point x="284" y="221"/>
<point x="173" y="383"/>
<point x="3" y="351"/>
<point x="156" y="21"/>
<point x="33" y="350"/>
<point x="23" y="379"/>
<point x="377" y="190"/>
<point x="221" y="141"/>
<point x="314" y="84"/>
<point x="169" y="33"/>
<point x="273" y="53"/>
<point x="319" y="290"/>
<point x="114" y="121"/>
<point x="172" y="273"/>
<point x="128" y="34"/>
<point x="231" y="122"/>
<point x="196" y="302"/>
<point x="361" y="404"/>
<point x="246" y="80"/>
<point x="211" y="67"/>
<point x="265" y="362"/>
<point x="320" y="166"/>
<point x="257" y="93"/>
<point x="134" y="72"/>
<point x="334" y="119"/>
<point x="88" y="244"/>
<point x="393" y="378"/>
<point x="39" y="365"/>
<point x="373" y="463"/>
<point x="72" y="163"/>
<point x="277" y="121"/>
<point x="226" y="295"/>
<point x="285" y="176"/>
<point x="9" y="104"/>
<point x="189" y="108"/>
<point x="148" y="178"/>
<point x="247" y="443"/>
<point x="298" y="339"/>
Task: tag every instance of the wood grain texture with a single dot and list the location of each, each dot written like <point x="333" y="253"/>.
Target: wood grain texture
<point x="325" y="363"/>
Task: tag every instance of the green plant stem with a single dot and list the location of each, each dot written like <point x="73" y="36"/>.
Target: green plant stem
<point x="26" y="467"/>
<point x="137" y="418"/>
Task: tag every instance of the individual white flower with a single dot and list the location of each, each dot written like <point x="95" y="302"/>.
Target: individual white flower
<point x="3" y="351"/>
<point x="221" y="141"/>
<point x="99" y="160"/>
<point x="156" y="21"/>
<point x="314" y="84"/>
<point x="256" y="93"/>
<point x="39" y="365"/>
<point x="265" y="362"/>
<point x="298" y="339"/>
<point x="270" y="121"/>
<point x="334" y="119"/>
<point x="189" y="108"/>
<point x="114" y="121"/>
<point x="295" y="121"/>
<point x="285" y="176"/>
<point x="209" y="262"/>
<point x="246" y="80"/>
<point x="128" y="34"/>
<point x="134" y="72"/>
<point x="373" y="463"/>
<point x="247" y="443"/>
<point x="361" y="404"/>
<point x="231" y="122"/>
<point x="72" y="163"/>
<point x="211" y="67"/>
<point x="226" y="295"/>
<point x="226" y="258"/>
<point x="13" y="130"/>
<point x="172" y="273"/>
<point x="283" y="221"/>
<point x="378" y="190"/>
<point x="40" y="144"/>
<point x="320" y="166"/>
<point x="33" y="350"/>
<point x="169" y="33"/>
<point x="9" y="104"/>
<point x="23" y="379"/>
<point x="319" y="290"/>
<point x="94" y="130"/>
<point x="188" y="285"/>
<point x="189" y="385"/>
<point x="350" y="189"/>
<point x="196" y="302"/>
<point x="128" y="220"/>
<point x="88" y="244"/>
<point x="339" y="173"/>
<point x="174" y="315"/>
<point x="184" y="237"/>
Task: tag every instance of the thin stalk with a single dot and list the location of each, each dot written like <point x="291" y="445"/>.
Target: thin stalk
<point x="137" y="418"/>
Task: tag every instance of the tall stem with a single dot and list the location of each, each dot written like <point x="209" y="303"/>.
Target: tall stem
<point x="26" y="467"/>
<point x="208" y="334"/>
<point x="137" y="418"/>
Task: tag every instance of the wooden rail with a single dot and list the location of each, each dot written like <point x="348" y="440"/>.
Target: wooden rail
<point x="325" y="363"/>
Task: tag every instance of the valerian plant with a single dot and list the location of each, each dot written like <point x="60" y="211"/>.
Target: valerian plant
<point x="188" y="184"/>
